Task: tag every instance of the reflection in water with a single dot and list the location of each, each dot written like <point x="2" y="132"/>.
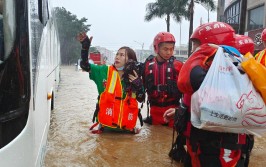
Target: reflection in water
<point x="71" y="144"/>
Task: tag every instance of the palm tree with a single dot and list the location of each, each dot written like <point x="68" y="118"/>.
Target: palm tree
<point x="209" y="3"/>
<point x="178" y="9"/>
<point x="169" y="8"/>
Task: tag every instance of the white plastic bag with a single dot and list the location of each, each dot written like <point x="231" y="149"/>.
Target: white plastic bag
<point x="227" y="101"/>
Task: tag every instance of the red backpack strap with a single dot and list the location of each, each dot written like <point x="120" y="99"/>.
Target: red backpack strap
<point x="93" y="126"/>
<point x="99" y="131"/>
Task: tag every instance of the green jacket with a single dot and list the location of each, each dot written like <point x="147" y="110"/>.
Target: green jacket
<point x="98" y="73"/>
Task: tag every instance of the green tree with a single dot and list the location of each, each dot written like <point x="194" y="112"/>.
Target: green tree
<point x="209" y="3"/>
<point x="68" y="27"/>
<point x="169" y="8"/>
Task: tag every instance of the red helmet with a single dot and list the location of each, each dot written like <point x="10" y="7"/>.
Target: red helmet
<point x="219" y="33"/>
<point x="162" y="37"/>
<point x="244" y="44"/>
<point x="263" y="35"/>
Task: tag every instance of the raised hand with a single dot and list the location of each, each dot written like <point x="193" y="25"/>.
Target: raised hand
<point x="84" y="40"/>
<point x="81" y="36"/>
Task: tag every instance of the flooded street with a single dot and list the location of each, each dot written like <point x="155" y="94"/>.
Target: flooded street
<point x="71" y="144"/>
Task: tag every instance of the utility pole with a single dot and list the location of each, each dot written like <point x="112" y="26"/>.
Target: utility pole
<point x="191" y="8"/>
<point x="242" y="21"/>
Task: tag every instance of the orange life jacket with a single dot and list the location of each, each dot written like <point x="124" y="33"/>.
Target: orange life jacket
<point x="114" y="111"/>
<point x="201" y="57"/>
<point x="261" y="57"/>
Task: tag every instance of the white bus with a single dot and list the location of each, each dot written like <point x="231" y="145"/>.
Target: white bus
<point x="29" y="76"/>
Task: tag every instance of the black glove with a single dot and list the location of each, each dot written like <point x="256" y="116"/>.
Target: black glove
<point x="84" y="55"/>
<point x="85" y="65"/>
<point x="86" y="43"/>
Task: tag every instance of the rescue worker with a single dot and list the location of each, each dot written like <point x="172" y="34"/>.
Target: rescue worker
<point x="261" y="56"/>
<point x="245" y="44"/>
<point x="117" y="108"/>
<point x="206" y="148"/>
<point x="160" y="80"/>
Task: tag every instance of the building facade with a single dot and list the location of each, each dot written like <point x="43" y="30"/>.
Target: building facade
<point x="107" y="55"/>
<point x="229" y="11"/>
<point x="181" y="53"/>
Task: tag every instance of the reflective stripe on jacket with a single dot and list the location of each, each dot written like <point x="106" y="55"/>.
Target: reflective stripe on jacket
<point x="261" y="57"/>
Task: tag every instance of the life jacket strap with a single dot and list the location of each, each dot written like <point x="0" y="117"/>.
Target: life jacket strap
<point x="97" y="108"/>
<point x="163" y="104"/>
<point x="98" y="131"/>
<point x="136" y="130"/>
<point x="94" y="125"/>
<point x="118" y="98"/>
<point x="160" y="88"/>
<point x="140" y="116"/>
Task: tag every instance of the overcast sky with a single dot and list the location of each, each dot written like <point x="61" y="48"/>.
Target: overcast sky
<point x="116" y="23"/>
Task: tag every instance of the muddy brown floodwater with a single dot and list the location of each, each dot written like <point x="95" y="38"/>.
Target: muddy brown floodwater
<point x="71" y="144"/>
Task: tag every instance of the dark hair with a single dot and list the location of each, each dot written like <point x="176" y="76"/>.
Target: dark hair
<point x="130" y="53"/>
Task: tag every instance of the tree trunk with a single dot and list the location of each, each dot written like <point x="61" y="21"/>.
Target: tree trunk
<point x="168" y="22"/>
<point x="243" y="13"/>
<point x="190" y="26"/>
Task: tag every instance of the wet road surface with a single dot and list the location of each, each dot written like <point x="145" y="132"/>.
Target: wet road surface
<point x="71" y="144"/>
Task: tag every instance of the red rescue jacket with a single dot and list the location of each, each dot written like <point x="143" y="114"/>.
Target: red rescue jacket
<point x="200" y="58"/>
<point x="160" y="81"/>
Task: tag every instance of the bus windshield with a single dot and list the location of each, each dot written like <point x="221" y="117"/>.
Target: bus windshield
<point x="7" y="28"/>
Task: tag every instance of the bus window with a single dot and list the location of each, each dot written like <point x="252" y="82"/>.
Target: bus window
<point x="14" y="70"/>
<point x="7" y="28"/>
<point x="43" y="11"/>
<point x="1" y="33"/>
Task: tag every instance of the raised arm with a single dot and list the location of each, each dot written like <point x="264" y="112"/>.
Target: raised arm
<point x="86" y="43"/>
